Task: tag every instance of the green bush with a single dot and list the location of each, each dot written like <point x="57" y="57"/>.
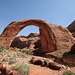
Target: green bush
<point x="29" y="52"/>
<point x="1" y="48"/>
<point x="68" y="73"/>
<point x="5" y="60"/>
<point x="12" y="60"/>
<point x="21" y="67"/>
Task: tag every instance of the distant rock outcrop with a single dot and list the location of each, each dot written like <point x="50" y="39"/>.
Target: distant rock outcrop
<point x="71" y="27"/>
<point x="31" y="41"/>
<point x="33" y="35"/>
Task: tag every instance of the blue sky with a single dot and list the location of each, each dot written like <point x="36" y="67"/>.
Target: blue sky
<point x="61" y="12"/>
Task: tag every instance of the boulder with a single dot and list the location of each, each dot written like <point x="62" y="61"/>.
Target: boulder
<point x="37" y="60"/>
<point x="45" y="62"/>
<point x="54" y="65"/>
<point x="69" y="57"/>
<point x="38" y="71"/>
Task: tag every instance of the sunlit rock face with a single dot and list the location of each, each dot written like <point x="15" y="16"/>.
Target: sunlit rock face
<point x="31" y="41"/>
<point x="53" y="37"/>
<point x="71" y="27"/>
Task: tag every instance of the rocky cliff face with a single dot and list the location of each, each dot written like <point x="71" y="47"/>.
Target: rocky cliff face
<point x="31" y="41"/>
<point x="71" y="27"/>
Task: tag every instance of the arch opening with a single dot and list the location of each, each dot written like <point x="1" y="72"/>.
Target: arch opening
<point x="28" y="37"/>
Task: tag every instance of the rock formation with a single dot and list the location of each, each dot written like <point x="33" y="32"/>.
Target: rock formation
<point x="71" y="27"/>
<point x="38" y="71"/>
<point x="53" y="37"/>
<point x="45" y="62"/>
<point x="69" y="57"/>
<point x="31" y="41"/>
<point x="73" y="49"/>
<point x="73" y="34"/>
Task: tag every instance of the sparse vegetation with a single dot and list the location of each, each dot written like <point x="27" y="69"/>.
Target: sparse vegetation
<point x="5" y="60"/>
<point x="1" y="48"/>
<point x="21" y="67"/>
<point x="68" y="73"/>
<point x="12" y="57"/>
<point x="30" y="52"/>
<point x="12" y="60"/>
<point x="26" y="51"/>
<point x="59" y="53"/>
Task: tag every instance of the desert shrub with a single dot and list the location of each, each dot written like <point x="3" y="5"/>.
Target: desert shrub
<point x="29" y="52"/>
<point x="12" y="60"/>
<point x="1" y="48"/>
<point x="68" y="73"/>
<point x="9" y="55"/>
<point x="19" y="54"/>
<point x="5" y="60"/>
<point x="23" y="51"/>
<point x="21" y="67"/>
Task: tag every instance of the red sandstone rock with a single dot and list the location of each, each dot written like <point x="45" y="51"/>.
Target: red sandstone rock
<point x="37" y="60"/>
<point x="18" y="73"/>
<point x="38" y="71"/>
<point x="69" y="60"/>
<point x="71" y="27"/>
<point x="69" y="57"/>
<point x="37" y="44"/>
<point x="4" y="70"/>
<point x="54" y="65"/>
<point x="73" y="49"/>
<point x="53" y="37"/>
<point x="31" y="41"/>
<point x="45" y="62"/>
<point x="33" y="35"/>
<point x="73" y="34"/>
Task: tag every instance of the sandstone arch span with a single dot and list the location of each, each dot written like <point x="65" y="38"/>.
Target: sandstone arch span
<point x="48" y="33"/>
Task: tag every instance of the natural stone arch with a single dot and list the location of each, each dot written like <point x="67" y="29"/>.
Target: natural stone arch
<point x="49" y="34"/>
<point x="48" y="41"/>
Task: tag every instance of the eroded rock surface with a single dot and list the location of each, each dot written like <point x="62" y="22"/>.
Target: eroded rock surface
<point x="71" y="27"/>
<point x="69" y="57"/>
<point x="38" y="71"/>
<point x="45" y="62"/>
<point x="53" y="37"/>
<point x="69" y="60"/>
<point x="31" y="41"/>
<point x="73" y="34"/>
<point x="73" y="49"/>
